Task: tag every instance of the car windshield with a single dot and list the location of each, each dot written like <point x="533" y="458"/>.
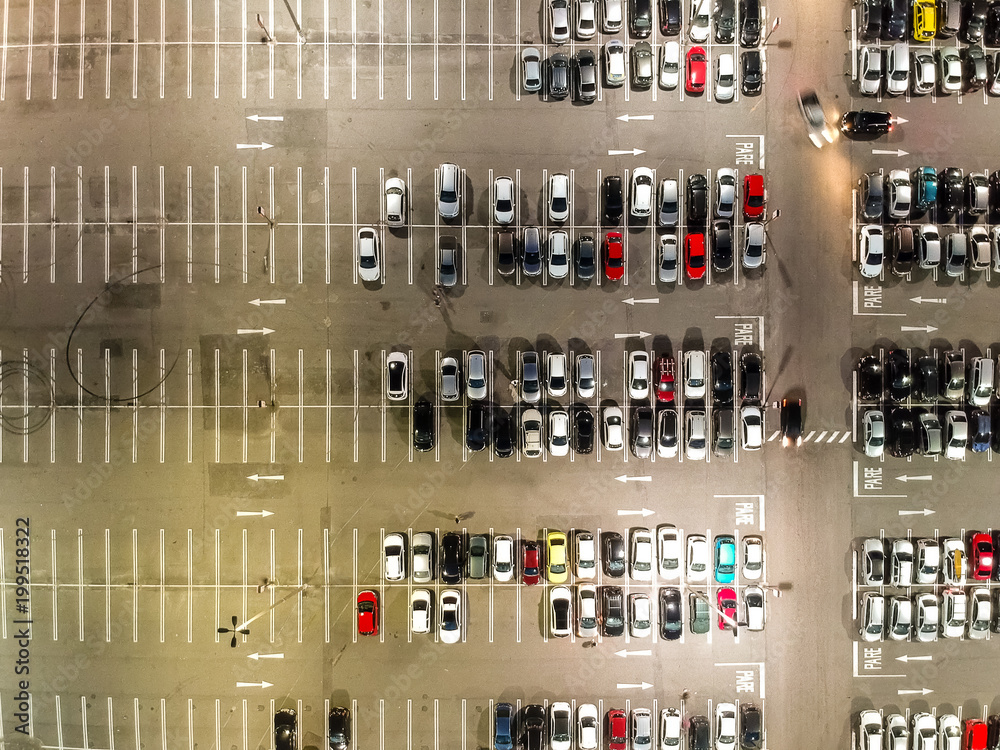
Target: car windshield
<point x="366" y="607"/>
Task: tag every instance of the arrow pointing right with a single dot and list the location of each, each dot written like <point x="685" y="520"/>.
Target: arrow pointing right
<point x="897" y="152"/>
<point x="641" y="334"/>
<point x="924" y="512"/>
<point x="922" y="691"/>
<point x="921" y="478"/>
<point x="644" y="512"/>
<point x="633" y="685"/>
<point x="935" y="300"/>
<point x="924" y="329"/>
<point x="263" y="146"/>
<point x="245" y="331"/>
<point x="261" y="513"/>
<point x="633" y="152"/>
<point x="254" y="684"/>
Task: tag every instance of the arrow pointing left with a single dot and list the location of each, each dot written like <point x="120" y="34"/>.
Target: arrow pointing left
<point x="633" y="685"/>
<point x="258" y="302"/>
<point x="256" y="656"/>
<point x="254" y="684"/>
<point x="625" y="478"/>
<point x="626" y="653"/>
<point x="261" y="513"/>
<point x="935" y="300"/>
<point x="258" y="477"/>
<point x="922" y="478"/>
<point x="649" y="301"/>
<point x="274" y="118"/>
<point x="627" y="118"/>
<point x="244" y="331"/>
<point x="905" y="658"/>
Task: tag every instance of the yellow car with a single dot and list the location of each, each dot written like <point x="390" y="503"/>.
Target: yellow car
<point x="555" y="557"/>
<point x="924" y="20"/>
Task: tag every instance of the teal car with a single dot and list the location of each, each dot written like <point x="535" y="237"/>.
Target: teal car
<point x="925" y="184"/>
<point x="725" y="558"/>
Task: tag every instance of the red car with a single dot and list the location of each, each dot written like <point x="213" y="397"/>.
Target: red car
<point x="974" y="735"/>
<point x="614" y="256"/>
<point x="617" y="729"/>
<point x="697" y="71"/>
<point x="367" y="613"/>
<point x="982" y="556"/>
<point x="727" y="605"/>
<point x="529" y="571"/>
<point x="665" y="380"/>
<point x="694" y="255"/>
<point x="754" y="197"/>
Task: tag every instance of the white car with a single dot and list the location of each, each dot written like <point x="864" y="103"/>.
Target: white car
<point x="897" y="69"/>
<point x="753" y="245"/>
<point x="611" y="428"/>
<point x="900" y="618"/>
<point x="531" y="65"/>
<point x="926" y="628"/>
<point x="725" y="78"/>
<point x="587" y="726"/>
<point x="697" y="558"/>
<point x="558" y="197"/>
<point x="586" y="610"/>
<point x="638" y="375"/>
<point x="614" y="63"/>
<point x="928" y="561"/>
<point x="423" y="557"/>
<point x="395" y="202"/>
<point x="901" y="563"/>
<point x="667" y="426"/>
<point x="585" y="554"/>
<point x="531" y="433"/>
<point x="753" y="603"/>
<point x="725" y="726"/>
<point x="949" y="732"/>
<point x="558" y="433"/>
<point x="870" y="71"/>
<point x="641" y="729"/>
<point x="899" y="194"/>
<point x="667" y="271"/>
<point x="641" y="568"/>
<point x="451" y="379"/>
<point x="640" y="624"/>
<point x="420" y="611"/>
<point x="870" y="730"/>
<point x="475" y="376"/>
<point x="450" y="616"/>
<point x="503" y="557"/>
<point x="696" y="436"/>
<point x="873" y="433"/>
<point x="694" y="374"/>
<point x="560" y="611"/>
<point x="369" y="265"/>
<point x="953" y="613"/>
<point x="698" y="28"/>
<point x="753" y="557"/>
<point x="397" y="386"/>
<point x="642" y="192"/>
<point x="560" y="726"/>
<point x="980" y="613"/>
<point x="668" y="556"/>
<point x="558" y="254"/>
<point x="725" y="192"/>
<point x="613" y="16"/>
<point x="924" y="732"/>
<point x="555" y="375"/>
<point x="751" y="428"/>
<point x="503" y="200"/>
<point x="586" y="384"/>
<point x="586" y="18"/>
<point x="871" y="256"/>
<point x="670" y="729"/>
<point x="394" y="552"/>
<point x="670" y="65"/>
<point x="956" y="434"/>
<point x="559" y="21"/>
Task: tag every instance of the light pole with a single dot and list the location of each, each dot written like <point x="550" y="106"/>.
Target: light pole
<point x="774" y="25"/>
<point x="268" y="39"/>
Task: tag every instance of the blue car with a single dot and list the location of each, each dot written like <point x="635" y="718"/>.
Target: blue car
<point x="503" y="733"/>
<point x="980" y="430"/>
<point x="725" y="558"/>
<point x="925" y="185"/>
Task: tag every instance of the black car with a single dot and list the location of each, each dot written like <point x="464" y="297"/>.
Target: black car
<point x="722" y="245"/>
<point x="506" y="254"/>
<point x="531" y="252"/>
<point x="973" y="20"/>
<point x="476" y="431"/>
<point x="749" y="23"/>
<point x="992" y="35"/>
<point x="898" y="375"/>
<point x="872" y="196"/>
<point x="612" y="611"/>
<point x="752" y="78"/>
<point x="586" y="258"/>
<point x="533" y="727"/>
<point x="671" y="621"/>
<point x="670" y="17"/>
<point x="339" y="722"/>
<point x="697" y="199"/>
<point x="423" y="425"/>
<point x="870" y="378"/>
<point x="451" y="558"/>
<point x="612" y="189"/>
<point x="284" y="730"/>
<point x="641" y="432"/>
<point x="927" y="380"/>
<point x="558" y="78"/>
<point x="974" y="68"/>
<point x="903" y="249"/>
<point x="613" y="554"/>
<point x="585" y="76"/>
<point x="640" y="18"/>
<point x="993" y="732"/>
<point x="791" y="422"/>
<point x="870" y="20"/>
<point x="950" y="190"/>
<point x="725" y="21"/>
<point x="980" y="431"/>
<point x="722" y="378"/>
<point x="699" y="733"/>
<point x="866" y="122"/>
<point x="751" y="376"/>
<point x="750" y="726"/>
<point x="503" y="435"/>
<point x="903" y="433"/>
<point x="583" y="430"/>
<point x="894" y="19"/>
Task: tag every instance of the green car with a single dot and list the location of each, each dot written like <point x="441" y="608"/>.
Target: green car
<point x="698" y="607"/>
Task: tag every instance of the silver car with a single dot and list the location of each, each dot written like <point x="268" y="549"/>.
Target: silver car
<point x="559" y="21"/>
<point x="870" y="71"/>
<point x="448" y="260"/>
<point x="531" y="66"/>
<point x="475" y="384"/>
<point x="753" y="245"/>
<point x="503" y="200"/>
<point x="423" y="557"/>
<point x="696" y="436"/>
<point x="451" y="379"/>
<point x="369" y="265"/>
<point x="586" y="385"/>
<point x="897" y="69"/>
<point x="926" y="630"/>
<point x="922" y="74"/>
<point x="667" y="202"/>
<point x="949" y="70"/>
<point x="670" y="66"/>
<point x="668" y="259"/>
<point x="873" y="433"/>
<point x="531" y="389"/>
<point x="586" y="18"/>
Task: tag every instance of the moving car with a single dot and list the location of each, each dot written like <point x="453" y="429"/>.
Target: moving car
<point x="866" y="122"/>
<point x="423" y="425"/>
<point x="448" y="260"/>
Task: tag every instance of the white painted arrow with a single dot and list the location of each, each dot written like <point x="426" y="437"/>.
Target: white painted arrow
<point x="261" y="513"/>
<point x="641" y="334"/>
<point x="274" y="118"/>
<point x="255" y="656"/>
<point x="633" y="152"/>
<point x="644" y="512"/>
<point x="924" y="512"/>
<point x="633" y="685"/>
<point x="254" y="684"/>
<point x="244" y="331"/>
<point x="935" y="300"/>
<point x="924" y="329"/>
<point x="257" y="477"/>
<point x="922" y="691"/>
<point x="650" y="301"/>
<point x="921" y="478"/>
<point x="626" y="118"/>
<point x="905" y="659"/>
<point x="625" y="653"/>
<point x="263" y="146"/>
<point x="258" y="302"/>
<point x="897" y="152"/>
<point x="625" y="478"/>
<point x="900" y="119"/>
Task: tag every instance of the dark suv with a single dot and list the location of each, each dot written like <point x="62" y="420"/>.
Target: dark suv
<point x="670" y="17"/>
<point x="613" y="205"/>
<point x="671" y="621"/>
<point x="583" y="433"/>
<point x="899" y="374"/>
<point x="725" y="21"/>
<point x="612" y="611"/>
<point x="423" y="425"/>
<point x="751" y="376"/>
<point x="451" y="558"/>
<point x="750" y="23"/>
<point x="640" y="18"/>
<point x="950" y="190"/>
<point x="697" y="199"/>
<point x="750" y="726"/>
<point x="533" y="727"/>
